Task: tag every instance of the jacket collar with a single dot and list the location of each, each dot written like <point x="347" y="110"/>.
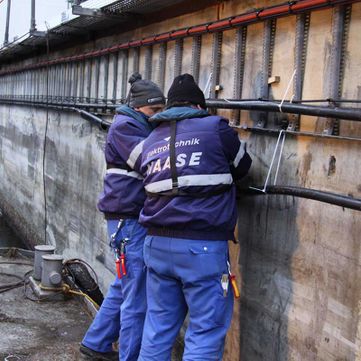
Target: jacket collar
<point x="179" y="113"/>
<point x="130" y="112"/>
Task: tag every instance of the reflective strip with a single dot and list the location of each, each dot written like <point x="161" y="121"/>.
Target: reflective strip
<point x="124" y="172"/>
<point x="134" y="155"/>
<point x="190" y="180"/>
<point x="240" y="154"/>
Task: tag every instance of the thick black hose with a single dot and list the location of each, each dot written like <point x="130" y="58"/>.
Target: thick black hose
<point x="308" y="193"/>
<point x="93" y="118"/>
<point x="256" y="105"/>
<point x="268" y="106"/>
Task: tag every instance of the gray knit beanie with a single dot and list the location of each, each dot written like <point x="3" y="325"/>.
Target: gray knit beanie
<point x="143" y="92"/>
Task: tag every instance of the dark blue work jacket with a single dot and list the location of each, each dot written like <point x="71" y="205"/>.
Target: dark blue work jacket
<point x="123" y="195"/>
<point x="191" y="194"/>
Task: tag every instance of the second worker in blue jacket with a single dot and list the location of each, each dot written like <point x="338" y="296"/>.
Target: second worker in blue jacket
<point x="189" y="163"/>
<point x="123" y="310"/>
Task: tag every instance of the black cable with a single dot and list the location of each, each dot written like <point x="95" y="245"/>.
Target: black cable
<point x="308" y="193"/>
<point x="45" y="136"/>
<point x="10" y="286"/>
<point x="77" y="260"/>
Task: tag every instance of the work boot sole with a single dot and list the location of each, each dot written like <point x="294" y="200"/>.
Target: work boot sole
<point x="92" y="355"/>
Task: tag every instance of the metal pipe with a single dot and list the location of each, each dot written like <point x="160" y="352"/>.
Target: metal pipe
<point x="275" y="132"/>
<point x="342" y="113"/>
<point x="219" y="25"/>
<point x="103" y="124"/>
<point x="308" y="193"/>
<point x="318" y="111"/>
<point x="6" y="38"/>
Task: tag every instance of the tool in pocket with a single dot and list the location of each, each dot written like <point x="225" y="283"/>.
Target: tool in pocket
<point x="119" y="251"/>
<point x="232" y="279"/>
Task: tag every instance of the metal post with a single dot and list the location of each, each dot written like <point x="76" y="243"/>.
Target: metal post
<point x="268" y="43"/>
<point x="239" y="60"/>
<point x="125" y="57"/>
<point x="196" y="56"/>
<point x="60" y="79"/>
<point x="64" y="80"/>
<point x="81" y="80"/>
<point x="106" y="78"/>
<point x="75" y="81"/>
<point x="115" y="76"/>
<point x="340" y="25"/>
<point x="41" y="250"/>
<point x="162" y="64"/>
<point x="216" y="64"/>
<point x="136" y="54"/>
<point x="97" y="78"/>
<point x="51" y="83"/>
<point x="178" y="55"/>
<point x="88" y="80"/>
<point x="148" y="62"/>
<point x="6" y="39"/>
<point x="32" y="20"/>
<point x="70" y="80"/>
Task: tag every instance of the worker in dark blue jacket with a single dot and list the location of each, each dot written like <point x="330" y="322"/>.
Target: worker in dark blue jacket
<point x="189" y="163"/>
<point x="123" y="310"/>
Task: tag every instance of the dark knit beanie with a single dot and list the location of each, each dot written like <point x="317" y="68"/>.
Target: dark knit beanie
<point x="143" y="92"/>
<point x="185" y="89"/>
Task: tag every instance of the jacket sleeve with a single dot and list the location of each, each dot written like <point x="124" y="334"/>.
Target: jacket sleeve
<point x="235" y="151"/>
<point x="126" y="138"/>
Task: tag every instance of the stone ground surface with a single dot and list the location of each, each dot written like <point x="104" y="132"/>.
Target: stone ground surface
<point x="33" y="331"/>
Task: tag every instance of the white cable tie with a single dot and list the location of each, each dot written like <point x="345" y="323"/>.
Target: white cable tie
<point x="279" y="158"/>
<point x="208" y="84"/>
<point x="286" y="91"/>
<point x="273" y="158"/>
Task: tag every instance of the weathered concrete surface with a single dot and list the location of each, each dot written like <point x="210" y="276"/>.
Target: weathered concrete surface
<point x="74" y="166"/>
<point x="298" y="261"/>
<point x="31" y="331"/>
<point x="7" y="236"/>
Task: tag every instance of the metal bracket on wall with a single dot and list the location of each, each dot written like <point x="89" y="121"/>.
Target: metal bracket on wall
<point x="239" y="61"/>
<point x="341" y="18"/>
<point x="115" y="76"/>
<point x="216" y="64"/>
<point x="302" y="31"/>
<point x="196" y="56"/>
<point x="178" y="55"/>
<point x="162" y="64"/>
<point x="148" y="62"/>
<point x="136" y="55"/>
<point x="267" y="61"/>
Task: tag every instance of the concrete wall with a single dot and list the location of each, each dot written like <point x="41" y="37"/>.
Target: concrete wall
<point x="298" y="261"/>
<point x="73" y="165"/>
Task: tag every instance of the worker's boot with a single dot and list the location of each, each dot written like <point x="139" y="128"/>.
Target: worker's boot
<point x="92" y="355"/>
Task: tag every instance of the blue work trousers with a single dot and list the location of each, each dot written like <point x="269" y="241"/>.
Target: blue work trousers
<point x="123" y="310"/>
<point x="185" y="275"/>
